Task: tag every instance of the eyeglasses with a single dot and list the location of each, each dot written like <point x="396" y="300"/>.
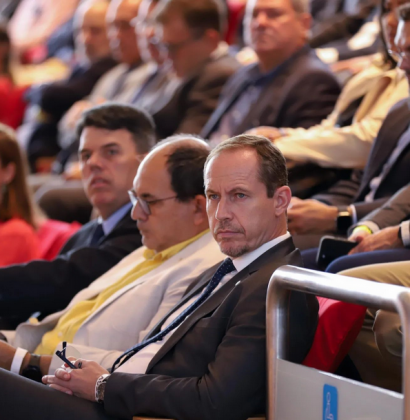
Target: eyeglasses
<point x="145" y="205"/>
<point x="172" y="49"/>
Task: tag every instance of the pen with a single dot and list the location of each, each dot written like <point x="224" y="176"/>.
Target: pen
<point x="62" y="356"/>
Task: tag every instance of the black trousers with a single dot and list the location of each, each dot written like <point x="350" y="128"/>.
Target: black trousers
<point x="23" y="399"/>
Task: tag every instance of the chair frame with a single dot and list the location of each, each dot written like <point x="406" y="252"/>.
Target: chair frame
<point x="362" y="292"/>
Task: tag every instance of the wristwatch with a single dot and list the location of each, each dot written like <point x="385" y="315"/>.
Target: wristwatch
<point x="343" y="221"/>
<point x="100" y="388"/>
<point x="33" y="371"/>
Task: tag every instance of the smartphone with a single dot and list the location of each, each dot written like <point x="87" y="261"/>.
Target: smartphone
<point x="331" y="248"/>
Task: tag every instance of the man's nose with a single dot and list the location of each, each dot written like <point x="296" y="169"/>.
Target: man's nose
<point x="137" y="213"/>
<point x="222" y="210"/>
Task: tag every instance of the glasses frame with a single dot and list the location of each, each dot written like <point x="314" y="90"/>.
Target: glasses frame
<point x="145" y="204"/>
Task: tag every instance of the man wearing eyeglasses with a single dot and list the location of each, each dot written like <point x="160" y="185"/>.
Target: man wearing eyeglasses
<point x="195" y="61"/>
<point x="120" y="307"/>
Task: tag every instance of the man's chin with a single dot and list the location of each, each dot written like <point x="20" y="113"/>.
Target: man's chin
<point x="233" y="250"/>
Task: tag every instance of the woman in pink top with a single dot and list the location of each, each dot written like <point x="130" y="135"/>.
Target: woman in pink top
<point x="18" y="238"/>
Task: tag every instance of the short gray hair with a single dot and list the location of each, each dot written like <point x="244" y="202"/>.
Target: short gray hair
<point x="301" y="6"/>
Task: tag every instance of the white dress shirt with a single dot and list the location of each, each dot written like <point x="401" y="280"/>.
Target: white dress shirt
<point x="139" y="362"/>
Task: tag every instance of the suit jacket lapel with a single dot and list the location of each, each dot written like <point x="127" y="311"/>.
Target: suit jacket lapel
<point x="383" y="147"/>
<point x="272" y="255"/>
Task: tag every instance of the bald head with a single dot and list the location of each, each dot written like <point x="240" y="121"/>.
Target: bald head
<point x="91" y="30"/>
<point x="169" y="187"/>
<point x="121" y="32"/>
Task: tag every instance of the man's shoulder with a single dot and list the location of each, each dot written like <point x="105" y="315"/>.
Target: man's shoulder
<point x="222" y="66"/>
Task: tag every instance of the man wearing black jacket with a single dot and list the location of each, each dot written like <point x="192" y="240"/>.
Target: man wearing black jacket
<point x="113" y="140"/>
<point x="206" y="359"/>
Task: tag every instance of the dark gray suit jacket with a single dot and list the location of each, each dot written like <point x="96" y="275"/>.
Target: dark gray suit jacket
<point x="301" y="95"/>
<point x="196" y="99"/>
<point x="48" y="286"/>
<point x="214" y="365"/>
<point x="394" y="211"/>
<point x="354" y="190"/>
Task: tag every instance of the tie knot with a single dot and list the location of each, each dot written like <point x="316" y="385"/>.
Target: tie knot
<point x="226" y="267"/>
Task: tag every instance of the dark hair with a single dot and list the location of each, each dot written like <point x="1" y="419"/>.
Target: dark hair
<point x="4" y="39"/>
<point x="387" y="58"/>
<point x="114" y="116"/>
<point x="185" y="164"/>
<point x="199" y="15"/>
<point x="272" y="172"/>
<point x="404" y="12"/>
<point x="17" y="200"/>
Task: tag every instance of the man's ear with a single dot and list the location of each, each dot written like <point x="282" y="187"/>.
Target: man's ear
<point x="200" y="215"/>
<point x="282" y="198"/>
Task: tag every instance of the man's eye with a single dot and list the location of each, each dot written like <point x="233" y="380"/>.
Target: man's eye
<point x="84" y="157"/>
<point x="112" y="152"/>
<point x="240" y="195"/>
<point x="213" y="196"/>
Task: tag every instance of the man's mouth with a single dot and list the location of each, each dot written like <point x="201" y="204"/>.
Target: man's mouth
<point x="98" y="182"/>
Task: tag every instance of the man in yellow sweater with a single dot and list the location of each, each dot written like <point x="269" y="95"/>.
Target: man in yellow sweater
<point x="117" y="310"/>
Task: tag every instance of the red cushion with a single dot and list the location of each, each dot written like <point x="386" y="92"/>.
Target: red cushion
<point x="337" y="329"/>
<point x="53" y="234"/>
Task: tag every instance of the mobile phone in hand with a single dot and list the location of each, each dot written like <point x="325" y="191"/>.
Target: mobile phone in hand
<point x="331" y="248"/>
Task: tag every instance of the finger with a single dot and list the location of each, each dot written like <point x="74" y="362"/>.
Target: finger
<point x="79" y="363"/>
<point x="62" y="374"/>
<point x="61" y="389"/>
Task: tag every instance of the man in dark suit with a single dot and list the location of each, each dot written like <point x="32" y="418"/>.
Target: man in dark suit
<point x="182" y="95"/>
<point x="113" y="140"/>
<point x="288" y="86"/>
<point x="206" y="359"/>
<point x="348" y="201"/>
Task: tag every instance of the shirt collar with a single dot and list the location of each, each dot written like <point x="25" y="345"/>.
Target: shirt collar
<point x="243" y="261"/>
<point x="109" y="224"/>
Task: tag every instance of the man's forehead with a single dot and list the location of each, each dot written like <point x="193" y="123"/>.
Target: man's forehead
<point x="230" y="170"/>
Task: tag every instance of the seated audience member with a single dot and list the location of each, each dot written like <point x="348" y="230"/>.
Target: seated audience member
<point x="113" y="140"/>
<point x="345" y="138"/>
<point x="288" y="86"/>
<point x="189" y="37"/>
<point x="12" y="105"/>
<point x="35" y="20"/>
<point x="377" y="351"/>
<point x="18" y="239"/>
<point x="190" y="364"/>
<point x="48" y="102"/>
<point x="386" y="171"/>
<point x="350" y="32"/>
<point x="383" y="236"/>
<point x="170" y="210"/>
<point x="119" y="83"/>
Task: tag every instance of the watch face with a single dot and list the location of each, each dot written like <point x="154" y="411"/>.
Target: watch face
<point x="33" y="373"/>
<point x="344" y="222"/>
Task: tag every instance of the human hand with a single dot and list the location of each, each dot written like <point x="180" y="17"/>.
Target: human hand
<point x="72" y="172"/>
<point x="310" y="216"/>
<point x="270" y="133"/>
<point x="359" y="233"/>
<point x="387" y="238"/>
<point x="78" y="382"/>
<point x="6" y="355"/>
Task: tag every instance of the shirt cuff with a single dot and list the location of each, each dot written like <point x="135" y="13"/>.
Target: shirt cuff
<point x="18" y="360"/>
<point x="353" y="212"/>
<point x="405" y="233"/>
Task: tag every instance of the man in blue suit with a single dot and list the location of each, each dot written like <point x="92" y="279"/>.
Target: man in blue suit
<point x="288" y="86"/>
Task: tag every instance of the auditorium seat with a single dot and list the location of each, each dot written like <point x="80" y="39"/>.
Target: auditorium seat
<point x="53" y="234"/>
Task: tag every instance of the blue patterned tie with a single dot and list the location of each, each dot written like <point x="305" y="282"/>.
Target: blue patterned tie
<point x="225" y="268"/>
